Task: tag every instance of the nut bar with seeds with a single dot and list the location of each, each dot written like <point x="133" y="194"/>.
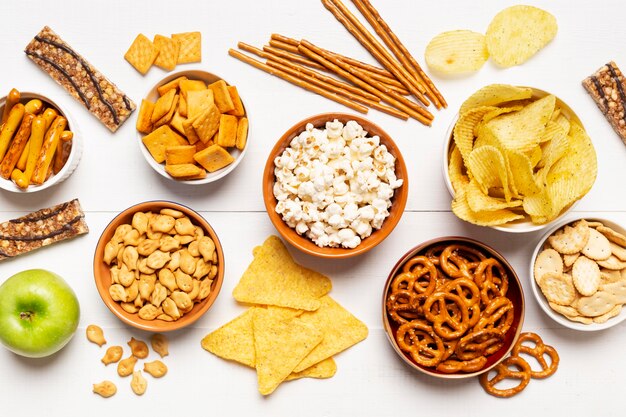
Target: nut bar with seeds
<point x="41" y="228"/>
<point x="607" y="87"/>
<point x="68" y="68"/>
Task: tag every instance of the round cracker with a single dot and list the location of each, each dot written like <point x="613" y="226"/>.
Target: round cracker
<point x="564" y="310"/>
<point x="596" y="305"/>
<point x="548" y="261"/>
<point x="611" y="275"/>
<point x="580" y="319"/>
<point x="617" y="289"/>
<point x="610" y="314"/>
<point x="612" y="235"/>
<point x="569" y="260"/>
<point x="586" y="274"/>
<point x="558" y="288"/>
<point x="572" y="240"/>
<point x="598" y="246"/>
<point x="618" y="251"/>
<point x="612" y="262"/>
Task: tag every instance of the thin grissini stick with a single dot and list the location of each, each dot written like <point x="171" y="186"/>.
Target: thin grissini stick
<point x="307" y="86"/>
<point x="293" y="57"/>
<point x="12" y="99"/>
<point x="284" y="46"/>
<point x="359" y="78"/>
<point x="271" y="57"/>
<point x="48" y="148"/>
<point x="361" y="34"/>
<point x="414" y="68"/>
<point x="347" y="59"/>
<point x="14" y="152"/>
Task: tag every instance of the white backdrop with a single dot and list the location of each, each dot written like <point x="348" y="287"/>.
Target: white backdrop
<point x="371" y="380"/>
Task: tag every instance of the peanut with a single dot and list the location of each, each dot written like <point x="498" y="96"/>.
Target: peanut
<point x="112" y="355"/>
<point x="95" y="335"/>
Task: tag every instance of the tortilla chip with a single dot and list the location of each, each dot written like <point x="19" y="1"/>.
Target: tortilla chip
<point x="322" y="370"/>
<point x="233" y="341"/>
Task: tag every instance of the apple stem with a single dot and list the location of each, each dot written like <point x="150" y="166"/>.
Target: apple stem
<point x="27" y="315"/>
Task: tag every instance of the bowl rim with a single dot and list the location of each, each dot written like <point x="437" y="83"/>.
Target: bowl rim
<point x="540" y="298"/>
<point x="448" y="146"/>
<point x="304" y="244"/>
<point x="73" y="158"/>
<point x="211" y="176"/>
<point x="147" y="325"/>
<point x="420" y="247"/>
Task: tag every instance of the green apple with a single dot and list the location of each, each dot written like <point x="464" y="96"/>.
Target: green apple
<point x="39" y="313"/>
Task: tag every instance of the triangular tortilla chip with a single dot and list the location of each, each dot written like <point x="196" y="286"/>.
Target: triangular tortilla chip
<point x="273" y="278"/>
<point x="321" y="370"/>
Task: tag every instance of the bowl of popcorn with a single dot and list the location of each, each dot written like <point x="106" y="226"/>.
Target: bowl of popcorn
<point x="158" y="266"/>
<point x="335" y="185"/>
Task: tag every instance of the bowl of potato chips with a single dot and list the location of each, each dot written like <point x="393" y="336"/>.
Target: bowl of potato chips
<point x="578" y="272"/>
<point x="516" y="159"/>
<point x="192" y="127"/>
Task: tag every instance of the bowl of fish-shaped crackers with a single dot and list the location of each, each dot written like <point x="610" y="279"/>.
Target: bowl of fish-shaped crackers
<point x="192" y="127"/>
<point x="579" y="273"/>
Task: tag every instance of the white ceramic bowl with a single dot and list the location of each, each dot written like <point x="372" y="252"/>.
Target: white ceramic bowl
<point x="73" y="159"/>
<point x="523" y="225"/>
<point x="153" y="95"/>
<point x="541" y="299"/>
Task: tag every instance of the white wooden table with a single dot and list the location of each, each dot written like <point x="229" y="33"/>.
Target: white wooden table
<point x="371" y="380"/>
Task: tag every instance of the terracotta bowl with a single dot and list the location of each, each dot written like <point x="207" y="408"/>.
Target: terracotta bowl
<point x="75" y="153"/>
<point x="541" y="299"/>
<point x="302" y="242"/>
<point x="514" y="293"/>
<point x="523" y="225"/>
<point x="102" y="274"/>
<point x="153" y="96"/>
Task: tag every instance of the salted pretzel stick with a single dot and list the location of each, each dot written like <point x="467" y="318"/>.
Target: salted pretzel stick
<point x="414" y="68"/>
<point x="312" y="73"/>
<point x="307" y="86"/>
<point x="362" y="80"/>
<point x="361" y="34"/>
<point x="347" y="59"/>
<point x="293" y="57"/>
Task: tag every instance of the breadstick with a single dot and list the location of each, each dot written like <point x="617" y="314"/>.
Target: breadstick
<point x="362" y="80"/>
<point x="38" y="130"/>
<point x="293" y="57"/>
<point x="48" y="148"/>
<point x="307" y="86"/>
<point x="49" y="115"/>
<point x="10" y="126"/>
<point x="352" y="24"/>
<point x="337" y="83"/>
<point x="12" y="99"/>
<point x="414" y="68"/>
<point x="17" y="146"/>
<point x="284" y="46"/>
<point x="21" y="163"/>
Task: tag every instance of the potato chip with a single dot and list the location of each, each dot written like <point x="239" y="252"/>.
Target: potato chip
<point x="168" y="52"/>
<point x="190" y="47"/>
<point x="495" y="94"/>
<point x="457" y="52"/>
<point x="463" y="211"/>
<point x="522" y="173"/>
<point x="497" y="111"/>
<point x="486" y="164"/>
<point x="478" y="201"/>
<point x="339" y="327"/>
<point x="273" y="278"/>
<point x="517" y="33"/>
<point x="280" y="345"/>
<point x="141" y="54"/>
<point x="321" y="370"/>
<point x="463" y="134"/>
<point x="455" y="170"/>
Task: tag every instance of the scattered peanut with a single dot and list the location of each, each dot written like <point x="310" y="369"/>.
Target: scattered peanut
<point x="138" y="384"/>
<point x="112" y="355"/>
<point x="105" y="389"/>
<point x="95" y="335"/>
<point x="138" y="348"/>
<point x="155" y="368"/>
<point x="126" y="366"/>
<point x="160" y="344"/>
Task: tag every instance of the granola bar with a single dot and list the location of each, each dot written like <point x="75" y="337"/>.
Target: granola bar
<point x="69" y="69"/>
<point x="41" y="228"/>
<point x="607" y="88"/>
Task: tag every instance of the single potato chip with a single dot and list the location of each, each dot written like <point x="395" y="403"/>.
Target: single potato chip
<point x="190" y="47"/>
<point x="340" y="328"/>
<point x="495" y="94"/>
<point x="463" y="134"/>
<point x="461" y="208"/>
<point x="517" y="33"/>
<point x="487" y="165"/>
<point x="141" y="54"/>
<point x="168" y="52"/>
<point x="457" y="52"/>
<point x="478" y="201"/>
<point x="273" y="278"/>
<point x="455" y="170"/>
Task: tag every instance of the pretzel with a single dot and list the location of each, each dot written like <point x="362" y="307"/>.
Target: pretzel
<point x="421" y="343"/>
<point x="538" y="352"/>
<point x="452" y="366"/>
<point x="424" y="273"/>
<point x="480" y="342"/>
<point x="498" y="314"/>
<point x="503" y="371"/>
<point x="447" y="326"/>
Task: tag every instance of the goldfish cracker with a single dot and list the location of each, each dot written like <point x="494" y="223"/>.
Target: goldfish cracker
<point x="48" y="148"/>
<point x="10" y="126"/>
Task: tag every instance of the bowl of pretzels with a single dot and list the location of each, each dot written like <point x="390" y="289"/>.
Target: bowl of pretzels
<point x="452" y="307"/>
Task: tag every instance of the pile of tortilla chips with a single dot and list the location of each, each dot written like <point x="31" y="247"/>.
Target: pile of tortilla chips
<point x="517" y="157"/>
<point x="292" y="329"/>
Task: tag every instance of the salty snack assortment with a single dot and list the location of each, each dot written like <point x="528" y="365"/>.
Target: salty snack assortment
<point x="606" y="86"/>
<point x="164" y="52"/>
<point x="335" y="184"/>
<point x="161" y="265"/>
<point x="192" y="125"/>
<point x="79" y="78"/>
<point x="126" y="367"/>
<point x="581" y="271"/>
<point x="517" y="157"/>
<point x="292" y="328"/>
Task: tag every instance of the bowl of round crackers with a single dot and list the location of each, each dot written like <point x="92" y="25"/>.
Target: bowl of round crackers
<point x="192" y="127"/>
<point x="452" y="307"/>
<point x="516" y="159"/>
<point x="578" y="273"/>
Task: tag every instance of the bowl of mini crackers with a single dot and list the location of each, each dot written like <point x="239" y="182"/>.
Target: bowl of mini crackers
<point x="192" y="127"/>
<point x="579" y="273"/>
